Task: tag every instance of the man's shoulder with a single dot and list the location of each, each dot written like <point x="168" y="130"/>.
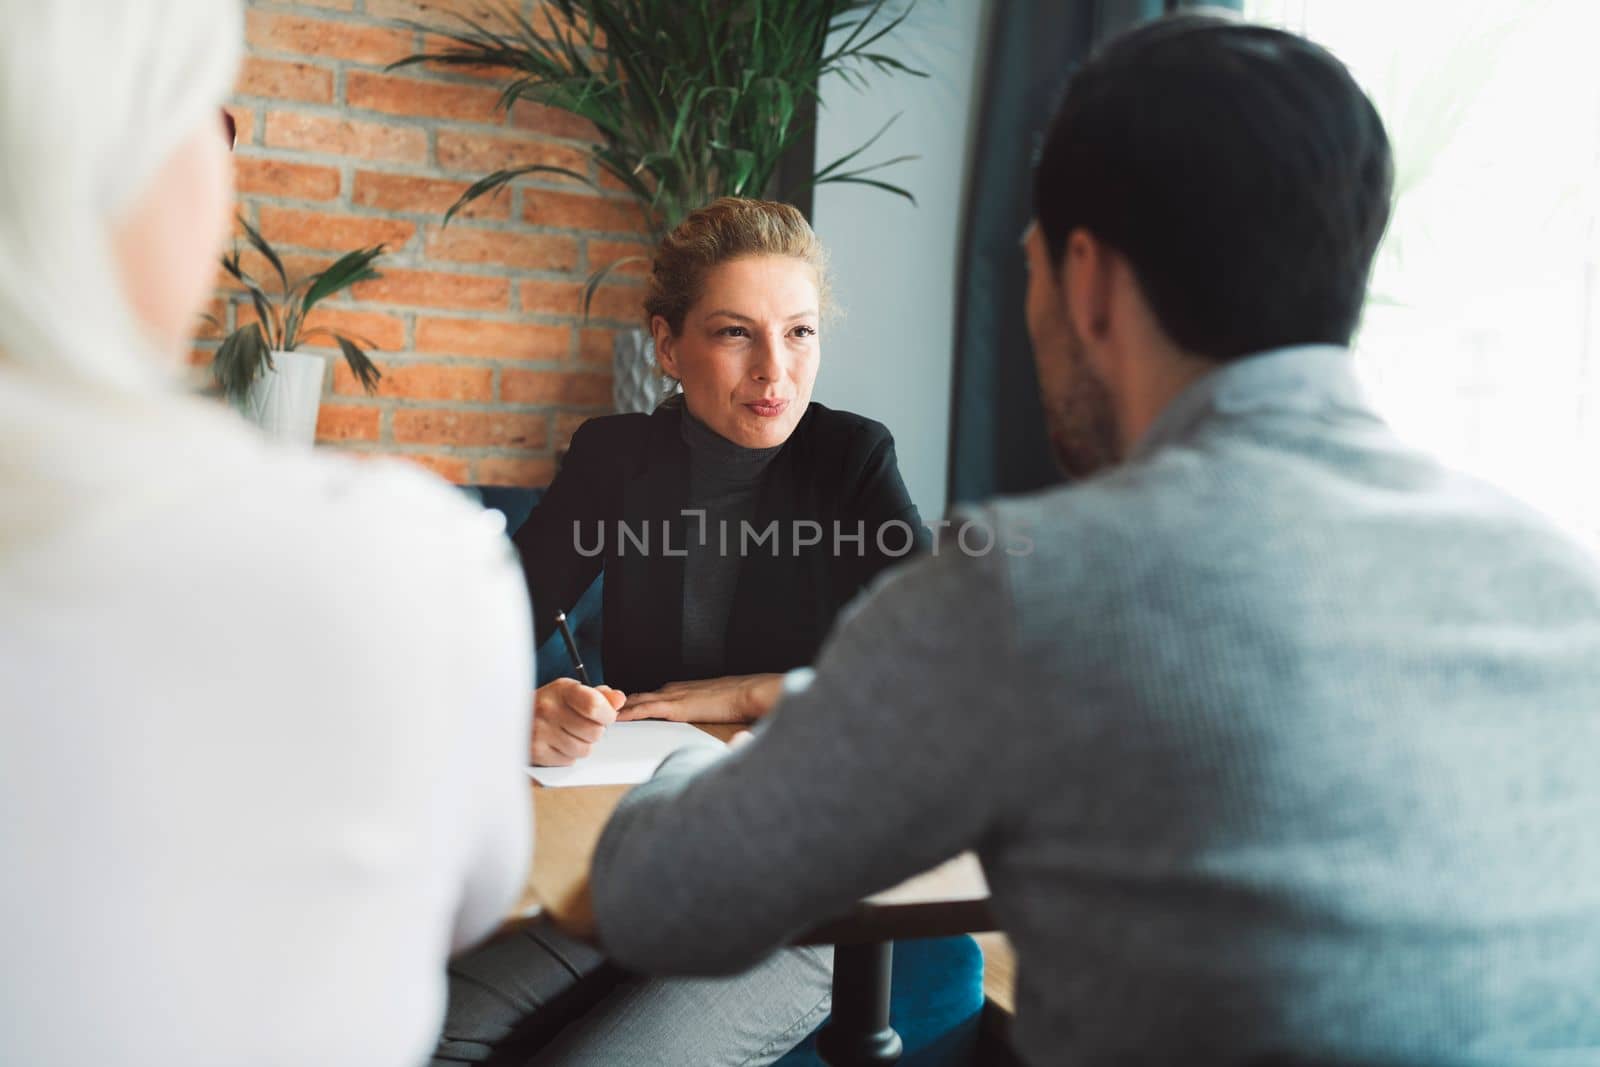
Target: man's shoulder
<point x="1107" y="507"/>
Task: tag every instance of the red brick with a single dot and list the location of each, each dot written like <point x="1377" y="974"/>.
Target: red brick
<point x="396" y="95"/>
<point x="530" y="471"/>
<point x="552" y="121"/>
<point x="345" y="384"/>
<point x="597" y="346"/>
<point x="285" y="81"/>
<point x="449" y="468"/>
<point x="480" y="153"/>
<point x="555" y="387"/>
<point x="470" y="428"/>
<point x="623" y="303"/>
<point x="567" y="423"/>
<point x="618" y="303"/>
<point x="346" y="422"/>
<point x="326" y="38"/>
<point x="433" y="289"/>
<point x="574" y="211"/>
<point x="336" y="233"/>
<point x="256" y="266"/>
<point x="385" y="332"/>
<point x="405" y="194"/>
<point x="434" y="42"/>
<point x="552" y="298"/>
<point x="244" y="123"/>
<point x="343" y="137"/>
<point x="493" y="340"/>
<point x="422" y="381"/>
<point x="439" y="13"/>
<point x="526" y="251"/>
<point x="293" y="181"/>
<point x="614" y="184"/>
<point x="603" y="252"/>
<point x="204" y="331"/>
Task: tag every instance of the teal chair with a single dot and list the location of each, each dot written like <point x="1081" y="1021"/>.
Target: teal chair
<point x="935" y="1004"/>
<point x="937" y="983"/>
<point x="553" y="660"/>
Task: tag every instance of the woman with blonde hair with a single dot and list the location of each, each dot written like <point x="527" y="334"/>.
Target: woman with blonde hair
<point x="734" y="522"/>
<point x="255" y="787"/>
<point x="732" y="525"/>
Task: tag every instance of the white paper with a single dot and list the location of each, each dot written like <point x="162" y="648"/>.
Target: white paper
<point x="629" y="753"/>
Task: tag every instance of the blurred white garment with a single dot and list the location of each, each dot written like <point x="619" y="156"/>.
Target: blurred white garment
<point x="263" y="727"/>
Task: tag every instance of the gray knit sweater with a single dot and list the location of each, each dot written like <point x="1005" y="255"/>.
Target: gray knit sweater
<point x="1279" y="743"/>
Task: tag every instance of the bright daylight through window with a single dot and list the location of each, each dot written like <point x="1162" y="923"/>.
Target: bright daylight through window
<point x="1481" y="339"/>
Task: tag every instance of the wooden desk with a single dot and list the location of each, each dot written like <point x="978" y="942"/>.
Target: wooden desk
<point x="948" y="900"/>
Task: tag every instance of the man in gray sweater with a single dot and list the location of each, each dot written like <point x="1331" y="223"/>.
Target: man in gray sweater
<point x="1278" y="740"/>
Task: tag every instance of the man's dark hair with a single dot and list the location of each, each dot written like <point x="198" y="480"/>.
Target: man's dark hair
<point x="1239" y="169"/>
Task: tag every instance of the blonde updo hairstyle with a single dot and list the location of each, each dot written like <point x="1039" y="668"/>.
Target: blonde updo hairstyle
<point x="726" y="229"/>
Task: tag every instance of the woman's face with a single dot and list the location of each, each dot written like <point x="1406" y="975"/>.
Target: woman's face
<point x="166" y="244"/>
<point x="747" y="356"/>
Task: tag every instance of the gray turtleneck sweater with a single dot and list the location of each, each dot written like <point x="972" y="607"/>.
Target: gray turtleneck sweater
<point x="1278" y="744"/>
<point x="725" y="484"/>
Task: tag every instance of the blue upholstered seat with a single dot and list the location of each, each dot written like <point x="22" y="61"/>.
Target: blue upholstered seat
<point x="935" y="1004"/>
<point x="937" y="983"/>
<point x="553" y="659"/>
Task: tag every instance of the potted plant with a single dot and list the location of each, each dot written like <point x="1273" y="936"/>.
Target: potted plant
<point x="691" y="101"/>
<point x="258" y="367"/>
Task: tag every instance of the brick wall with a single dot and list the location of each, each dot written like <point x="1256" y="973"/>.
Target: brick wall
<point x="488" y="364"/>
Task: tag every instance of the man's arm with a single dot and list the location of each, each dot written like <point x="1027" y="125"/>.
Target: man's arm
<point x="902" y="751"/>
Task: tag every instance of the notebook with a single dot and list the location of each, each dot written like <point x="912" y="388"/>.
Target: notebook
<point x="629" y="753"/>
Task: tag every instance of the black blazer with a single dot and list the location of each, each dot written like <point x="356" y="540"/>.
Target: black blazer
<point x="633" y="470"/>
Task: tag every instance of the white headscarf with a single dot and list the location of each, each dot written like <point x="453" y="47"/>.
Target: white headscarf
<point x="95" y="96"/>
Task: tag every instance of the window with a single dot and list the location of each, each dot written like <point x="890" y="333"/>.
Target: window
<point x="1481" y="340"/>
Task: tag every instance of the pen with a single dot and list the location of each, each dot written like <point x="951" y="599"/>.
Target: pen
<point x="572" y="647"/>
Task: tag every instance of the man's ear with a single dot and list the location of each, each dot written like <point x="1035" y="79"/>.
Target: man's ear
<point x="666" y="354"/>
<point x="1086" y="284"/>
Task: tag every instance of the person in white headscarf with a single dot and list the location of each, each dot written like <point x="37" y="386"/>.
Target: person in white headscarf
<point x="263" y="713"/>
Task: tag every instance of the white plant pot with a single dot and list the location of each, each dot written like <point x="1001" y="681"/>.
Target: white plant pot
<point x="284" y="401"/>
<point x="637" y="383"/>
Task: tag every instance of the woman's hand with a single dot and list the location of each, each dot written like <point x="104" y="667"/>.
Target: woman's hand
<point x="737" y="698"/>
<point x="568" y="718"/>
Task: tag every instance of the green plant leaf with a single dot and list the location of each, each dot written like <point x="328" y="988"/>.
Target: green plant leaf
<point x="822" y="174"/>
<point x="324" y="331"/>
<point x="501" y="178"/>
<point x="364" y="369"/>
<point x="349" y="269"/>
<point x="592" y="284"/>
<point x="889" y="64"/>
<point x="260" y="243"/>
<point x="852" y="179"/>
<point x="265" y="314"/>
<point x="234" y="265"/>
<point x="689" y="100"/>
<point x="239" y="361"/>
